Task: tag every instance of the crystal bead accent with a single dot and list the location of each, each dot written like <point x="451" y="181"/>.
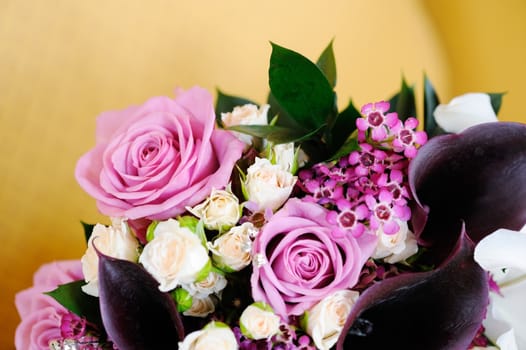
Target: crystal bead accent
<point x="260" y="260"/>
<point x="66" y="344"/>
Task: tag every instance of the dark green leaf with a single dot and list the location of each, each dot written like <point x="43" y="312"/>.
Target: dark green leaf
<point x="431" y="101"/>
<point x="350" y="145"/>
<point x="344" y="125"/>
<point x="316" y="151"/>
<point x="226" y="103"/>
<point x="88" y="229"/>
<point x="327" y="64"/>
<point x="496" y="100"/>
<point x="403" y="102"/>
<point x="301" y="88"/>
<point x="72" y="297"/>
<point x="276" y="134"/>
<point x="284" y="118"/>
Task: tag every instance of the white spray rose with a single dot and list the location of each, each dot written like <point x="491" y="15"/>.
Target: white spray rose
<point x="116" y="241"/>
<point x="326" y="319"/>
<point x="248" y="114"/>
<point x="395" y="247"/>
<point x="267" y="185"/>
<point x="219" y="211"/>
<point x="258" y="321"/>
<point x="232" y="250"/>
<point x="465" y="111"/>
<point x="175" y="255"/>
<point x="214" y="283"/>
<point x="201" y="307"/>
<point x="215" y="335"/>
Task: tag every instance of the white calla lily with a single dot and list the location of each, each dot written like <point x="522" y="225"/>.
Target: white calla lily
<point x="502" y="253"/>
<point x="465" y="111"/>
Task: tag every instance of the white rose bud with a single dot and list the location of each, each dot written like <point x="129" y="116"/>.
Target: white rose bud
<point x="465" y="111"/>
<point x="326" y="319"/>
<point x="284" y="155"/>
<point x="175" y="255"/>
<point x="258" y="321"/>
<point x="219" y="211"/>
<point x="201" y="307"/>
<point x="267" y="185"/>
<point x="396" y="247"/>
<point x="248" y="114"/>
<point x="116" y="241"/>
<point x="215" y="335"/>
<point x="232" y="250"/>
<point x="214" y="283"/>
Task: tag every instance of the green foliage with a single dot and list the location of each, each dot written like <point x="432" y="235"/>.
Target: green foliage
<point x="88" y="230"/>
<point x="303" y="106"/>
<point x="403" y="102"/>
<point x="327" y="64"/>
<point x="431" y="101"/>
<point x="344" y="125"/>
<point x="72" y="297"/>
<point x="226" y="103"/>
<point x="496" y="100"/>
<point x="300" y="87"/>
<point x="276" y="134"/>
<point x="150" y="230"/>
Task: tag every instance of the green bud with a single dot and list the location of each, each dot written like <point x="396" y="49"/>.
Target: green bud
<point x="183" y="299"/>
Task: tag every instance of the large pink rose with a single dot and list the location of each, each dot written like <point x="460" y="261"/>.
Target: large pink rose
<point x="41" y="315"/>
<point x="299" y="261"/>
<point x="154" y="160"/>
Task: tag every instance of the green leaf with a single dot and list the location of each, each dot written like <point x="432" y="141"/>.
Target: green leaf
<point x="276" y="134"/>
<point x="403" y="102"/>
<point x="301" y="88"/>
<point x="431" y="101"/>
<point x="72" y="297"/>
<point x="496" y="100"/>
<point x="350" y="145"/>
<point x="226" y="103"/>
<point x="283" y="118"/>
<point x="327" y="64"/>
<point x="344" y="125"/>
<point x="88" y="230"/>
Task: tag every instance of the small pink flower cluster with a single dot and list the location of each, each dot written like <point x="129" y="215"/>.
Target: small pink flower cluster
<point x="386" y="130"/>
<point x="367" y="190"/>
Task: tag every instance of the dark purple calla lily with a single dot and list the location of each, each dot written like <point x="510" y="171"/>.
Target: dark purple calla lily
<point x="477" y="177"/>
<point x="440" y="309"/>
<point x="136" y="315"/>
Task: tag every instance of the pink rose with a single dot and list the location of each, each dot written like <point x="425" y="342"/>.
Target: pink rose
<point x="154" y="160"/>
<point x="41" y="315"/>
<point x="298" y="261"/>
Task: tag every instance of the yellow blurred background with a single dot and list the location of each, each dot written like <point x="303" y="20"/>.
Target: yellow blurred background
<point x="63" y="62"/>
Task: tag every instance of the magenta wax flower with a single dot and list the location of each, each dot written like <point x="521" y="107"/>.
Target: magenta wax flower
<point x="42" y="316"/>
<point x="299" y="260"/>
<point x="407" y="139"/>
<point x="154" y="160"/>
<point x="376" y="120"/>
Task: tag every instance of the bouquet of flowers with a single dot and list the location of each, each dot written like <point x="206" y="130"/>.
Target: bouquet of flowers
<point x="292" y="225"/>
